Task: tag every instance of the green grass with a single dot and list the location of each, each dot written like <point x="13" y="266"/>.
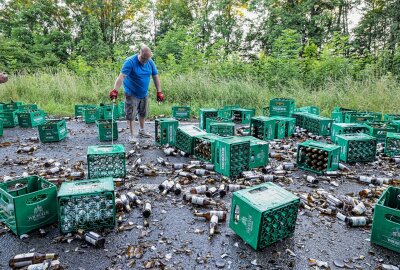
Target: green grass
<point x="57" y="93"/>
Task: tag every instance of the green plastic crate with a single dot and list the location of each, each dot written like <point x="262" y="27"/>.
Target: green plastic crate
<point x="1" y="127"/>
<point x="222" y="129"/>
<point x="204" y="146"/>
<point x="379" y="129"/>
<point x="53" y="130"/>
<point x="10" y="118"/>
<point x="263" y="214"/>
<point x="106" y="112"/>
<point x="262" y="128"/>
<point x="232" y="156"/>
<point x="28" y="107"/>
<point x="242" y="116"/>
<point x="316" y="124"/>
<point x="27" y="204"/>
<point x="259" y="152"/>
<point x="290" y="124"/>
<point x="362" y="117"/>
<point x="357" y="147"/>
<point x="204" y="114"/>
<point x="86" y="205"/>
<point x="281" y="106"/>
<point x="106" y="161"/>
<point x="216" y="120"/>
<point x="308" y="109"/>
<point x="396" y="125"/>
<point x="165" y="131"/>
<point x="226" y="111"/>
<point x="338" y="114"/>
<point x="299" y="116"/>
<point x="91" y="115"/>
<point x="185" y="138"/>
<point x="108" y="130"/>
<point x="79" y="108"/>
<point x="391" y="117"/>
<point x="347" y="128"/>
<point x="12" y="106"/>
<point x="31" y="118"/>
<point x="392" y="144"/>
<point x="386" y="221"/>
<point x="181" y="112"/>
<point x="318" y="157"/>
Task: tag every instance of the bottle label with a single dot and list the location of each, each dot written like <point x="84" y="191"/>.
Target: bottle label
<point x="198" y="200"/>
<point x="90" y="240"/>
<point x="214" y="219"/>
<point x="219" y="214"/>
<point x="201" y="189"/>
<point x="359" y="221"/>
<point x="24" y="256"/>
<point x="147" y="207"/>
<point x="233" y="187"/>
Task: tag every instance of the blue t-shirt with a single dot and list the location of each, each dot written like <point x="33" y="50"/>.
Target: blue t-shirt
<point x="137" y="80"/>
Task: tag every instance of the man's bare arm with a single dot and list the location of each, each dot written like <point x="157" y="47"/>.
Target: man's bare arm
<point x="118" y="81"/>
<point x="156" y="80"/>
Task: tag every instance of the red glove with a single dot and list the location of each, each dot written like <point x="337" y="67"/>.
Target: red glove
<point x="113" y="94"/>
<point x="160" y="96"/>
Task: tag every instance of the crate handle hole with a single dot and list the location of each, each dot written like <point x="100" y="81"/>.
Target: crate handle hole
<point x="36" y="199"/>
<point x="237" y="214"/>
<point x="257" y="190"/>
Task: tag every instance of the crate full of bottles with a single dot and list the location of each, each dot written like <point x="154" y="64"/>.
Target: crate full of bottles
<point x="211" y="120"/>
<point x="107" y="130"/>
<point x="242" y="116"/>
<point x="357" y="147"/>
<point x="317" y="125"/>
<point x="181" y="112"/>
<point x="27" y="204"/>
<point x="385" y="224"/>
<point x="347" y="128"/>
<point x="185" y="138"/>
<point x="91" y="114"/>
<point x="362" y="117"/>
<point x="53" y="130"/>
<point x="299" y="116"/>
<point x="204" y="146"/>
<point x="232" y="156"/>
<point x="222" y="129"/>
<point x="308" y="109"/>
<point x="79" y="108"/>
<point x="264" y="214"/>
<point x="391" y="117"/>
<point x="106" y="161"/>
<point x="10" y="118"/>
<point x="31" y="118"/>
<point x="86" y="205"/>
<point x="379" y="129"/>
<point x="318" y="157"/>
<point x="165" y="131"/>
<point x="205" y="113"/>
<point x="281" y="106"/>
<point x="262" y="128"/>
<point x="392" y="145"/>
<point x="109" y="111"/>
<point x="259" y="151"/>
<point x="290" y="125"/>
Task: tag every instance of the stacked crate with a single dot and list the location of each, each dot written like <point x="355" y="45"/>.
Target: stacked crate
<point x="347" y="128"/>
<point x="318" y="157"/>
<point x="357" y="147"/>
<point x="165" y="131"/>
<point x="204" y="114"/>
<point x="185" y="137"/>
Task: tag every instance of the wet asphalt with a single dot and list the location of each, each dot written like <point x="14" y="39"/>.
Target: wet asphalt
<point x="175" y="238"/>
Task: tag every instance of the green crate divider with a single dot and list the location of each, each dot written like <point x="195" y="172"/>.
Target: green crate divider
<point x="259" y="152"/>
<point x="347" y="128"/>
<point x="86" y="204"/>
<point x="262" y="127"/>
<point x="53" y="130"/>
<point x="106" y="112"/>
<point x="207" y="142"/>
<point x="290" y="124"/>
<point x="392" y="144"/>
<point x="31" y="118"/>
<point x="165" y="131"/>
<point x="242" y="116"/>
<point x="185" y="138"/>
<point x="91" y="115"/>
<point x="79" y="108"/>
<point x="10" y="118"/>
<point x="28" y="107"/>
<point x="379" y="129"/>
<point x="308" y="109"/>
<point x="222" y="129"/>
<point x="1" y="127"/>
<point x="356" y="147"/>
<point x="391" y="117"/>
<point x="316" y="124"/>
<point x="204" y="114"/>
<point x="318" y="157"/>
<point x="12" y="106"/>
<point x="263" y="214"/>
<point x="121" y="110"/>
<point x="108" y="130"/>
<point x="28" y="207"/>
<point x="232" y="156"/>
<point x="386" y="220"/>
<point x="216" y="120"/>
<point x="181" y="112"/>
<point x="361" y="117"/>
<point x="281" y="106"/>
<point x="106" y="161"/>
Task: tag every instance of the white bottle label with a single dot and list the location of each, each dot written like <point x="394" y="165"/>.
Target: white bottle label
<point x="198" y="200"/>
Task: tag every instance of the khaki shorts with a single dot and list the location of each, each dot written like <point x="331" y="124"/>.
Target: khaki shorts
<point x="133" y="106"/>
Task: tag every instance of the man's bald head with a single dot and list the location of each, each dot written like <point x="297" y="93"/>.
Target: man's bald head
<point x="144" y="54"/>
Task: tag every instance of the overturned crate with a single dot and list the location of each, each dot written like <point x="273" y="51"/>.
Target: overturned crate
<point x="27" y="204"/>
<point x="31" y="118"/>
<point x="106" y="161"/>
<point x="10" y="118"/>
<point x="185" y="138"/>
<point x="232" y="156"/>
<point x="91" y="115"/>
<point x="242" y="116"/>
<point x="362" y="117"/>
<point x="318" y="157"/>
<point x="317" y="125"/>
<point x="262" y="128"/>
<point x="204" y="146"/>
<point x="347" y="128"/>
<point x="86" y="205"/>
<point x="204" y="114"/>
<point x="357" y="147"/>
<point x="259" y="152"/>
<point x="53" y="130"/>
<point x="379" y="129"/>
<point x="108" y="130"/>
<point x="392" y="145"/>
<point x="281" y="106"/>
<point x="181" y="112"/>
<point x="222" y="129"/>
<point x="263" y="214"/>
<point x="165" y="131"/>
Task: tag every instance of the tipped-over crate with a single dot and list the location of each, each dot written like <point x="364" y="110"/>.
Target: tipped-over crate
<point x="357" y="147"/>
<point x="318" y="157"/>
<point x="106" y="161"/>
<point x="262" y="128"/>
<point x="185" y="138"/>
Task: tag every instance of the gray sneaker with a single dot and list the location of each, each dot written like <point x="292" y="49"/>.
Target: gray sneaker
<point x="132" y="139"/>
<point x="144" y="134"/>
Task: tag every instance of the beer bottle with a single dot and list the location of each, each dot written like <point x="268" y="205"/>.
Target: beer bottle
<point x="202" y="172"/>
<point x="312" y="179"/>
<point x="199" y="189"/>
<point x="133" y="198"/>
<point x="289" y="166"/>
<point x="46" y="265"/>
<point x="125" y="202"/>
<point x="169" y="187"/>
<point x="201" y="201"/>
<point x="163" y="186"/>
<point x="222" y="191"/>
<point x="179" y="166"/>
<point x="208" y="166"/>
<point x="213" y="224"/>
<point x="177" y="189"/>
<point x="187" y="175"/>
<point x="25" y="259"/>
<point x="357" y="221"/>
<point x="234" y="187"/>
<point x="118" y="204"/>
<point x="146" y="210"/>
<point x="211" y="192"/>
<point x="359" y="209"/>
<point x="94" y="239"/>
<point x="207" y="215"/>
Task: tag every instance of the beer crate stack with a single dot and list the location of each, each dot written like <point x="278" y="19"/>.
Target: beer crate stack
<point x="242" y="116"/>
<point x="204" y="114"/>
<point x="107" y="130"/>
<point x="86" y="205"/>
<point x="357" y="147"/>
<point x="222" y="129"/>
<point x="263" y="214"/>
<point x="379" y="129"/>
<point x="53" y="130"/>
<point x="204" y="147"/>
<point x="185" y="136"/>
<point x="318" y="157"/>
<point x="259" y="151"/>
<point x="106" y="161"/>
<point x="392" y="144"/>
<point x="165" y="131"/>
<point x="211" y="120"/>
<point x="181" y="112"/>
<point x="347" y="128"/>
